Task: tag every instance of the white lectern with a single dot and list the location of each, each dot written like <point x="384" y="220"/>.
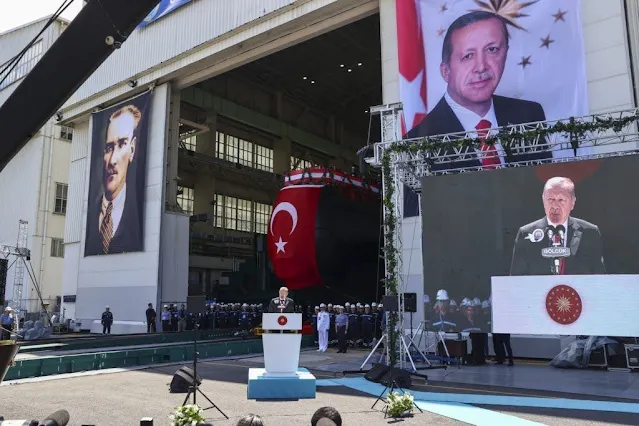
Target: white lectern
<point x="281" y="340"/>
<point x="281" y="377"/>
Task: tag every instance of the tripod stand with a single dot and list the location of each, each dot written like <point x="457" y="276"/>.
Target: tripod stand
<point x="390" y="387"/>
<point x="194" y="388"/>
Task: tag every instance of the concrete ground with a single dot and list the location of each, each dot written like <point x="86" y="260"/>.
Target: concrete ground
<point x="123" y="398"/>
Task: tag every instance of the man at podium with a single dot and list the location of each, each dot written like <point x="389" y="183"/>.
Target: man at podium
<point x="282" y="304"/>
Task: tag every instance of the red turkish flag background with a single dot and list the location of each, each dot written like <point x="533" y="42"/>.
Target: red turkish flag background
<point x="412" y="63"/>
<point x="291" y="236"/>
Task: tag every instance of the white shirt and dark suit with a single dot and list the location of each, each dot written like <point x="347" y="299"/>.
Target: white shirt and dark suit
<point x="583" y="238"/>
<point x="118" y="221"/>
<point x="450" y="117"/>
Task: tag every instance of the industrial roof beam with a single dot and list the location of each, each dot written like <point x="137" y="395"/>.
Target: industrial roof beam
<point x="99" y="29"/>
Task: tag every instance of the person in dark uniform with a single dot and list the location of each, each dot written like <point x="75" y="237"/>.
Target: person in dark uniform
<point x="151" y="316"/>
<point x="367" y="326"/>
<point x="282" y="304"/>
<point x="245" y="318"/>
<point x="354" y="327"/>
<point x="443" y="318"/>
<point x="341" y="329"/>
<point x="471" y="323"/>
<point x="174" y="317"/>
<point x="314" y="325"/>
<point x="501" y="341"/>
<point x="332" y="334"/>
<point x="107" y="321"/>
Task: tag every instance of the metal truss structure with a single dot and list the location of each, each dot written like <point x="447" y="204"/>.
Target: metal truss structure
<point x="22" y="264"/>
<point x="413" y="166"/>
<point x="21" y="252"/>
<point x="408" y="168"/>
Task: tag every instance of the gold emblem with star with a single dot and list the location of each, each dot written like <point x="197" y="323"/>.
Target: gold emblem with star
<point x="508" y="10"/>
<point x="563" y="304"/>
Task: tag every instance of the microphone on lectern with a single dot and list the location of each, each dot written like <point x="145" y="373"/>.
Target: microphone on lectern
<point x="561" y="230"/>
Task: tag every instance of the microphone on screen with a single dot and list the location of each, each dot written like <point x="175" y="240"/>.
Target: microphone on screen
<point x="59" y="418"/>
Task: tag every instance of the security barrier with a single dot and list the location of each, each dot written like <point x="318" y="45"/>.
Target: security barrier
<point x="47" y="366"/>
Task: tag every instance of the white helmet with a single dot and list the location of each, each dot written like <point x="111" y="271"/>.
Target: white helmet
<point x="442" y="295"/>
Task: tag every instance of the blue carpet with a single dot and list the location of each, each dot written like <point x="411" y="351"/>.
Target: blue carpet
<point x="327" y="383"/>
<point x="512" y="401"/>
<point x="454" y="410"/>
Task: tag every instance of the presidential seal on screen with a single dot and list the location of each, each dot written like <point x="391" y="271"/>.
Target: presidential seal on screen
<point x="563" y="304"/>
<point x="535" y="236"/>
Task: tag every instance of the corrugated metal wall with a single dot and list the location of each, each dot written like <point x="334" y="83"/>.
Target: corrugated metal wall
<point x="187" y="28"/>
<point x="13" y="42"/>
<point x="78" y="173"/>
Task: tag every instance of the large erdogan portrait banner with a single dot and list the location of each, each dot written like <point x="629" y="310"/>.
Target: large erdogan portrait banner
<point x="555" y="241"/>
<point x="469" y="65"/>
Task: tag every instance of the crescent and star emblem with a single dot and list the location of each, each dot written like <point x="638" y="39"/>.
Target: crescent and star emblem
<point x="292" y="211"/>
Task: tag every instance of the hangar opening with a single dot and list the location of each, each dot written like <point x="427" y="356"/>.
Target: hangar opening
<point x="242" y="131"/>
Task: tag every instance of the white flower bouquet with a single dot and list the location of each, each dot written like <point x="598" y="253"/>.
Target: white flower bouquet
<point x="399" y="405"/>
<point x="187" y="415"/>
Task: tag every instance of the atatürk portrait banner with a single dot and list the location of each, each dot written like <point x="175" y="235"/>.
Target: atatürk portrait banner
<point x="115" y="213"/>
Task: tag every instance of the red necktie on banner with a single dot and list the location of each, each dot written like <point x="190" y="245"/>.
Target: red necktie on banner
<point x="490" y="156"/>
<point x="562" y="261"/>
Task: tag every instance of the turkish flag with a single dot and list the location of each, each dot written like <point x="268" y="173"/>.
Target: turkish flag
<point x="412" y="63"/>
<point x="291" y="236"/>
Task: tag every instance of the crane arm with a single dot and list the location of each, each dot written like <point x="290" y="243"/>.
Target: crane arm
<point x="100" y="28"/>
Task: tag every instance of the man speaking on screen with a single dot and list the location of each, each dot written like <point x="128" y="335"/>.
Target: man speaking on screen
<point x="558" y="243"/>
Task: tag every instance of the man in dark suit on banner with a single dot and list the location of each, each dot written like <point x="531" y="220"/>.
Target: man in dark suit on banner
<point x="282" y="304"/>
<point x="473" y="59"/>
<point x="114" y="224"/>
<point x="583" y="238"/>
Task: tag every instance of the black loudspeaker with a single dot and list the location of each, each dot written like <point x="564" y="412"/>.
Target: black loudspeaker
<point x="384" y="375"/>
<point x="183" y="380"/>
<point x="410" y="302"/>
<point x="4" y="264"/>
<point x="376" y="373"/>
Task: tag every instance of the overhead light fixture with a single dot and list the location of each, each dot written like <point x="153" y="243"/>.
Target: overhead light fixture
<point x="341" y="66"/>
<point x="132" y="83"/>
<point x="359" y="64"/>
<point x="349" y="70"/>
<point x="366" y="112"/>
<point x="312" y="81"/>
<point x="304" y="78"/>
<point x="59" y="116"/>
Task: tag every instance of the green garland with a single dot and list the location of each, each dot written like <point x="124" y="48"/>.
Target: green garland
<point x="574" y="128"/>
<point x="509" y="136"/>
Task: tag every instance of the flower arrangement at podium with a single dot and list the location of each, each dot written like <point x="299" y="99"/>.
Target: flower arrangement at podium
<point x="399" y="405"/>
<point x="187" y="415"/>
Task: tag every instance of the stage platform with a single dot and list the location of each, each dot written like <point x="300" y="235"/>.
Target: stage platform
<point x="260" y="387"/>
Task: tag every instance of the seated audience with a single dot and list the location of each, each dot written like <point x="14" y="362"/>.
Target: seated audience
<point x="251" y="420"/>
<point x="326" y="416"/>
